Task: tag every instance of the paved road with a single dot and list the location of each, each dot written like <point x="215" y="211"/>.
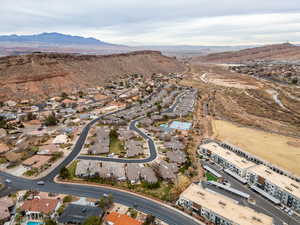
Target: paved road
<point x="262" y="204"/>
<point x="151" y="144"/>
<point x="169" y="215"/>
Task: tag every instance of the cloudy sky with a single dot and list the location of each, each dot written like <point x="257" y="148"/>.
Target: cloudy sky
<point x="158" y="22"/>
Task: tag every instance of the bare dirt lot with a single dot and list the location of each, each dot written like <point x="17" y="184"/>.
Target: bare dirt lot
<point x="220" y="75"/>
<point x="277" y="149"/>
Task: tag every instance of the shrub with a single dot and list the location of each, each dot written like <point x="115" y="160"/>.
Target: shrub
<point x="51" y="120"/>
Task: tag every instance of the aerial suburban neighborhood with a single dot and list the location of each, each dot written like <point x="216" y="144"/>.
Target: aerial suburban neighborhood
<point x="138" y="140"/>
<point x="185" y="113"/>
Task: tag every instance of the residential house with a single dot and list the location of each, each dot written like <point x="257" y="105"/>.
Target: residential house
<point x="146" y="122"/>
<point x="168" y="170"/>
<point x="115" y="218"/>
<point x="178" y="156"/>
<point x="148" y="175"/>
<point x="134" y="148"/>
<point x="3" y="148"/>
<point x="77" y="214"/>
<point x="48" y="149"/>
<point x="133" y="172"/>
<point x="60" y="139"/>
<point x="37" y="208"/>
<point x="125" y="134"/>
<point x="36" y="161"/>
<point x="6" y="206"/>
<point x="113" y="170"/>
<point x="101" y="141"/>
<point x="90" y="168"/>
<point x="174" y="144"/>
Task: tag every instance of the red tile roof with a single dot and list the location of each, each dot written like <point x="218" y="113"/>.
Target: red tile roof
<point x="121" y="219"/>
<point x="45" y="206"/>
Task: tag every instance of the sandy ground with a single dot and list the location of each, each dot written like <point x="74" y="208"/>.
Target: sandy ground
<point x="228" y="81"/>
<point x="277" y="149"/>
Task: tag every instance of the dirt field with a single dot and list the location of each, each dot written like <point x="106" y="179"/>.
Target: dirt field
<point x="221" y="76"/>
<point x="277" y="149"/>
<point x="227" y="81"/>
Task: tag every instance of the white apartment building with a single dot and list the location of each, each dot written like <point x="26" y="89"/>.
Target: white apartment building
<point x="267" y="182"/>
<point x="218" y="209"/>
<point x="234" y="165"/>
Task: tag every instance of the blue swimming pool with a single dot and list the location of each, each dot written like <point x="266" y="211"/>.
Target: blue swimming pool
<point x="180" y="125"/>
<point x="33" y="223"/>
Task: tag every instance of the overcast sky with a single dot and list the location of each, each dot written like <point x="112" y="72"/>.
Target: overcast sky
<point x="158" y="22"/>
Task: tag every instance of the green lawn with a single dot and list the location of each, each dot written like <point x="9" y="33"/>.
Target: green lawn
<point x="72" y="168"/>
<point x="211" y="177"/>
<point x="115" y="145"/>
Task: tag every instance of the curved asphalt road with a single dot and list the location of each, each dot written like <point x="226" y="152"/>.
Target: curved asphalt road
<point x="151" y="144"/>
<point x="169" y="215"/>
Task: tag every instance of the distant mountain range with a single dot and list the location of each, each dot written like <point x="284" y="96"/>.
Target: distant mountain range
<point x="53" y="39"/>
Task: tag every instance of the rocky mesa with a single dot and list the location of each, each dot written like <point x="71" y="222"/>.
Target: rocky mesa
<point x="41" y="75"/>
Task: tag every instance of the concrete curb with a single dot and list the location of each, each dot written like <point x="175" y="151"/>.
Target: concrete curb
<point x="132" y="193"/>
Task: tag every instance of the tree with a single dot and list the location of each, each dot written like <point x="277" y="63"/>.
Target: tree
<point x="30" y="116"/>
<point x="93" y="220"/>
<point x="110" y="199"/>
<point x="105" y="202"/>
<point x="3" y="123"/>
<point x="81" y="94"/>
<point x="101" y="203"/>
<point x="49" y="222"/>
<point x="64" y="173"/>
<point x="149" y="220"/>
<point x="295" y="80"/>
<point x="51" y="120"/>
<point x="64" y="95"/>
<point x="67" y="198"/>
<point x="165" y="117"/>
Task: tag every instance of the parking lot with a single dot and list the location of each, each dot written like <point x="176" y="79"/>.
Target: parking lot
<point x="261" y="204"/>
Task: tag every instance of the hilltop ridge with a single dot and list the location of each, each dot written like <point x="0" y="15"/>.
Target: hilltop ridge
<point x="41" y="75"/>
<point x="285" y="51"/>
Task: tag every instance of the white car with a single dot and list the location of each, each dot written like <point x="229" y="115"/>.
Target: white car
<point x="290" y="212"/>
<point x="40" y="182"/>
<point x="8" y="181"/>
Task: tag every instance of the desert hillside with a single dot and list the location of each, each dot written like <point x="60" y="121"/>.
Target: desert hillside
<point x="284" y="51"/>
<point x="42" y="75"/>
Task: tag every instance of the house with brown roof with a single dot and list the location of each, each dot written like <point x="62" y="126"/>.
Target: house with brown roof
<point x="13" y="157"/>
<point x="3" y="148"/>
<point x="36" y="161"/>
<point x="37" y="208"/>
<point x="69" y="103"/>
<point x="115" y="218"/>
<point x="6" y="205"/>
